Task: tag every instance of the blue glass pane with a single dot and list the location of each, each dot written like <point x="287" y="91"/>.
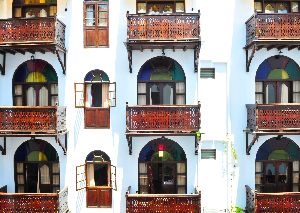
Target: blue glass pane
<point x="263" y="71"/>
<point x="178" y="73"/>
<point x="145" y="72"/>
<point x="270" y="94"/>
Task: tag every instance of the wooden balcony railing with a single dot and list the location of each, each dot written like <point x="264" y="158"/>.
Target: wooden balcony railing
<point x="262" y="26"/>
<point x="271" y="117"/>
<point x="273" y="202"/>
<point x="140" y="203"/>
<point x="32" y="120"/>
<point x="163" y="118"/>
<point x="23" y="202"/>
<point x="32" y="32"/>
<point x="171" y="27"/>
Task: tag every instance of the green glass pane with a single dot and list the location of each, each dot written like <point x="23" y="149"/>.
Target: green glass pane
<point x="279" y="155"/>
<point x="278" y="74"/>
<point x="50" y="74"/>
<point x="162" y="75"/>
<point x="36" y="156"/>
<point x="178" y="73"/>
<point x="293" y="70"/>
<point x="166" y="156"/>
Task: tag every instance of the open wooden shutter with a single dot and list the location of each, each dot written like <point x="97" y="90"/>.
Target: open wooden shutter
<point x="113" y="177"/>
<point x="79" y="95"/>
<point x="112" y="94"/>
<point x="80" y="177"/>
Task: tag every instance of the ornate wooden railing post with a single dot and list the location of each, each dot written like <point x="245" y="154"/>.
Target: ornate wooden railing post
<point x="250" y="199"/>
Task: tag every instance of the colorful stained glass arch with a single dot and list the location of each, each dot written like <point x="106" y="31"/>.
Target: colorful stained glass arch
<point x="96" y="75"/>
<point x="278" y="68"/>
<point x="172" y="150"/>
<point x="161" y="68"/>
<point x="36" y="150"/>
<point x="278" y="149"/>
<point x="36" y="71"/>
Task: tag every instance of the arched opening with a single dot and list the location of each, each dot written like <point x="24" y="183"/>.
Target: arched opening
<point x="36" y="168"/>
<point x="97" y="89"/>
<point x="35" y="84"/>
<point x="277" y="81"/>
<point x="99" y="177"/>
<point x="277" y="166"/>
<point x="161" y="80"/>
<point x="162" y="168"/>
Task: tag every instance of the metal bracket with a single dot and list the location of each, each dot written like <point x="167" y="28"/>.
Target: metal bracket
<point x="196" y="58"/>
<point x="62" y="63"/>
<point x="61" y="145"/>
<point x="249" y="59"/>
<point x="3" y="148"/>
<point x="2" y="66"/>
<point x="249" y="146"/>
<point x="129" y="141"/>
<point x="129" y="52"/>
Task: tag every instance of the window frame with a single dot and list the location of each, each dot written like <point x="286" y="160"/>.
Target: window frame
<point x="95" y="30"/>
<point x="275" y="5"/>
<point x="111" y="178"/>
<point x="161" y="83"/>
<point x="164" y="3"/>
<point x="35" y="6"/>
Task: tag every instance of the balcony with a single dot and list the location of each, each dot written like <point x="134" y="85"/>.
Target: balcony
<point x="273" y="29"/>
<point x="162" y="118"/>
<point x="272" y="202"/>
<point x="272" y="119"/>
<point x="21" y="35"/>
<point x="39" y="202"/>
<point x="171" y="31"/>
<point x="26" y="120"/>
<point x="265" y="30"/>
<point x="140" y="203"/>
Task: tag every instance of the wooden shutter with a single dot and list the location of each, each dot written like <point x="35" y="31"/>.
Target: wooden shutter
<point x="113" y="177"/>
<point x="80" y="177"/>
<point x="112" y="94"/>
<point x="96" y="24"/>
<point x="79" y="95"/>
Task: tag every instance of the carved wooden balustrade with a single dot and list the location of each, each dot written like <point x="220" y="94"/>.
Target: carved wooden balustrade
<point x="163" y="118"/>
<point x="271" y="117"/>
<point x="172" y="27"/>
<point x="26" y="33"/>
<point x="272" y="202"/>
<point x="140" y="203"/>
<point x="26" y="119"/>
<point x="262" y="26"/>
<point x="23" y="202"/>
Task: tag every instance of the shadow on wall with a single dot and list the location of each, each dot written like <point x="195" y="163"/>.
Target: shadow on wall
<point x="77" y="124"/>
<point x="79" y="201"/>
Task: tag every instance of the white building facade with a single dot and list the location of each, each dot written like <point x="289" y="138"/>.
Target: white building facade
<point x="121" y="104"/>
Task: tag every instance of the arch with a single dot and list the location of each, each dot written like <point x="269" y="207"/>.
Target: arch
<point x="278" y="67"/>
<point x="285" y="144"/>
<point x="162" y="168"/>
<point x="34" y="147"/>
<point x="173" y="149"/>
<point x="161" y="68"/>
<point x="96" y="75"/>
<point x="277" y="166"/>
<point x="35" y="70"/>
<point x="35" y="83"/>
<point x="97" y="155"/>
<point x="36" y="167"/>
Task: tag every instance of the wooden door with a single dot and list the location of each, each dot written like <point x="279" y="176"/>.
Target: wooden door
<point x="277" y="176"/>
